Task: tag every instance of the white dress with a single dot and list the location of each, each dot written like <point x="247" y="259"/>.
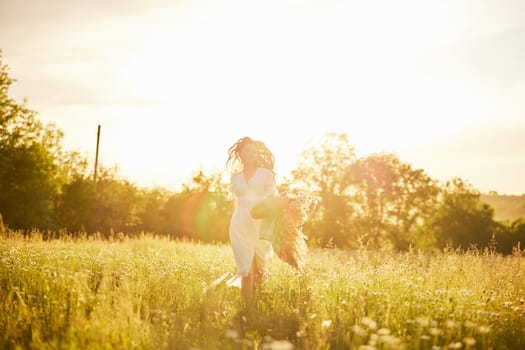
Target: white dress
<point x="244" y="230"/>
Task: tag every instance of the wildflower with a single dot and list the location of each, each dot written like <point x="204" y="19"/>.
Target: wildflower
<point x="469" y="341"/>
<point x="383" y="331"/>
<point x="451" y="324"/>
<point x="390" y="340"/>
<point x="371" y="324"/>
<point x="457" y="345"/>
<point x="326" y="323"/>
<point x="278" y="345"/>
<point x="367" y="347"/>
<point x="436" y="331"/>
<point x="359" y="331"/>
<point x="484" y="329"/>
<point x="373" y="339"/>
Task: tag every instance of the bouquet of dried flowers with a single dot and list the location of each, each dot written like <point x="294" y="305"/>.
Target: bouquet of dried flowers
<point x="288" y="239"/>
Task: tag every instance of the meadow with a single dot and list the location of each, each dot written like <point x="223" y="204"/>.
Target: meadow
<point x="154" y="293"/>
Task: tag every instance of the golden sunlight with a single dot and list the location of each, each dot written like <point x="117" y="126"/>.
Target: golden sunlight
<point x="204" y="64"/>
<point x="192" y="77"/>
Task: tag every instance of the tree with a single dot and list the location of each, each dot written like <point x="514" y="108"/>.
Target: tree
<point x="31" y="163"/>
<point x="201" y="211"/>
<point x="76" y="206"/>
<point x="321" y="170"/>
<point x="150" y="205"/>
<point x="105" y="206"/>
<point x="390" y="201"/>
<point x="462" y="220"/>
<point x="115" y="206"/>
<point x="511" y="236"/>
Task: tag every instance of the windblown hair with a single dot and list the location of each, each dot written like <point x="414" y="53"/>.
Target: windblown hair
<point x="265" y="157"/>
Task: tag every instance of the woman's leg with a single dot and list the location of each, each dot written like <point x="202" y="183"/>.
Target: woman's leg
<point x="248" y="283"/>
<point x="247" y="287"/>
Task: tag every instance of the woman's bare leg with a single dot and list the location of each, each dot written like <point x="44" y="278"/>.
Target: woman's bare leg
<point x="248" y="283"/>
<point x="247" y="287"/>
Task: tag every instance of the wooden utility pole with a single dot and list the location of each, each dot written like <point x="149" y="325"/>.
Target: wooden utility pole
<point x="96" y="154"/>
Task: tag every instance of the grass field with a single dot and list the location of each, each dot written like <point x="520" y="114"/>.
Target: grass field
<point x="153" y="293"/>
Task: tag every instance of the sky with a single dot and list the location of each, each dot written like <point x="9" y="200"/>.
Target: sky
<point x="174" y="83"/>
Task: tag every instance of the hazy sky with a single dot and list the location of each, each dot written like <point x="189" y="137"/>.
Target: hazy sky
<point x="173" y="84"/>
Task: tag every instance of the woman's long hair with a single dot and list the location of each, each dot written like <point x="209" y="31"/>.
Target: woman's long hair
<point x="265" y="157"/>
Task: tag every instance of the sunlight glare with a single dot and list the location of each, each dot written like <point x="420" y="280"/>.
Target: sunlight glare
<point x="212" y="75"/>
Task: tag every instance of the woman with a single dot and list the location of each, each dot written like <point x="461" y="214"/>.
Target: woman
<point x="252" y="180"/>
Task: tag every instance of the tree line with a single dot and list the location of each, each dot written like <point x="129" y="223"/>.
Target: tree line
<point x="507" y="207"/>
<point x="375" y="201"/>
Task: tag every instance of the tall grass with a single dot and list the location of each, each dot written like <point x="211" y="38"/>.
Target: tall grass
<point x="153" y="293"/>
